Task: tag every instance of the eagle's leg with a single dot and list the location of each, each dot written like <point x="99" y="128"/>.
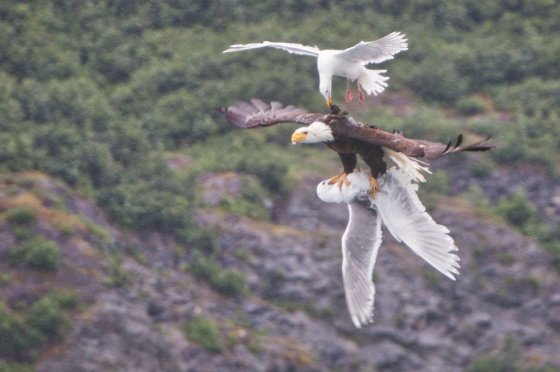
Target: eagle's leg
<point x="339" y="180"/>
<point x="349" y="96"/>
<point x="349" y="163"/>
<point x="374" y="186"/>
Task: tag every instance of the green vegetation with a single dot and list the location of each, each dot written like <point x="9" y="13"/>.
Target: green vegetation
<point x="21" y="216"/>
<point x="518" y="210"/>
<point x="15" y="367"/>
<point x="507" y="360"/>
<point x="36" y="252"/>
<point x="204" y="332"/>
<point x="24" y="332"/>
<point x="16" y="336"/>
<point x="471" y="105"/>
<point x="118" y="277"/>
<point x="229" y="282"/>
<point x="46" y="316"/>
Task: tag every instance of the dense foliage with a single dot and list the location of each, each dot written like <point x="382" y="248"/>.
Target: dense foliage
<point x="98" y="93"/>
<point x="107" y="95"/>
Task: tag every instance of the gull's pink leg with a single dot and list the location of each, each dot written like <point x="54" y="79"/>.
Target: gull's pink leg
<point x="349" y="96"/>
<point x="361" y="94"/>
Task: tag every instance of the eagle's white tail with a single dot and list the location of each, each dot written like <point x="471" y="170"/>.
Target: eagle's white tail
<point x="411" y="166"/>
<point x="372" y="82"/>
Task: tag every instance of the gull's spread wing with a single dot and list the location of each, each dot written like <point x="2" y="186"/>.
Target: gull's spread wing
<point x="407" y="220"/>
<point x="376" y="51"/>
<point x="288" y="47"/>
<point x="258" y="113"/>
<point x="360" y="243"/>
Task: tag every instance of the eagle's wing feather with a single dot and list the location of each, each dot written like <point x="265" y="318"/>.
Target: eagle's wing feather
<point x="407" y="220"/>
<point x="426" y="150"/>
<point x="379" y="137"/>
<point x="258" y="113"/>
<point x="360" y="244"/>
<point x="376" y="51"/>
<point x="288" y="47"/>
<point x="435" y="150"/>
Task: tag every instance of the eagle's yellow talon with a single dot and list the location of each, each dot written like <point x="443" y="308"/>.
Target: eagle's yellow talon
<point x="374" y="186"/>
<point x="339" y="180"/>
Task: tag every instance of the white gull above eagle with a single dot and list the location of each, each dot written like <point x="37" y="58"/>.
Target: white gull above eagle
<point x="348" y="63"/>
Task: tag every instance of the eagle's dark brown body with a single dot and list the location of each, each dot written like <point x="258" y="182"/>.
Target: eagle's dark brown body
<point x="347" y="150"/>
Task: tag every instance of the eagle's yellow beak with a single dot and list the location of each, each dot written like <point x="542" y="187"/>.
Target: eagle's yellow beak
<point x="329" y="102"/>
<point x="298" y="137"/>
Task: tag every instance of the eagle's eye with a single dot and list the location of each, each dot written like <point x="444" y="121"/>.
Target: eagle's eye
<point x="304" y="132"/>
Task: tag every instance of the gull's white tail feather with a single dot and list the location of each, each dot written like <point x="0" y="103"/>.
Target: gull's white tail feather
<point x="407" y="220"/>
<point x="372" y="82"/>
<point x="411" y="166"/>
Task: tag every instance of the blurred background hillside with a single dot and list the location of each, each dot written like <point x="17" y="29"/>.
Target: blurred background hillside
<point x="140" y="231"/>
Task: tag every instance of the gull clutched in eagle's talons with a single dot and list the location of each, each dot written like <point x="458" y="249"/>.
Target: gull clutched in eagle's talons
<point x="348" y="63"/>
<point x="396" y="205"/>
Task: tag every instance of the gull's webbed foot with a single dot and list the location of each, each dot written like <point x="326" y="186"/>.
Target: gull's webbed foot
<point x="339" y="180"/>
<point x="374" y="186"/>
<point x="361" y="95"/>
<point x="349" y="96"/>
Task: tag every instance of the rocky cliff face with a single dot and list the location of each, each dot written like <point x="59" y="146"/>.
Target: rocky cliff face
<point x="134" y="315"/>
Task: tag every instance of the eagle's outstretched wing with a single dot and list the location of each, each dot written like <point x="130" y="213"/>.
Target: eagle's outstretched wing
<point x="376" y="51"/>
<point x="257" y="113"/>
<point x="435" y="150"/>
<point x="288" y="47"/>
<point x="425" y="150"/>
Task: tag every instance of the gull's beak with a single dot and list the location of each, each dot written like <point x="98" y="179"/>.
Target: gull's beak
<point x="298" y="137"/>
<point x="329" y="102"/>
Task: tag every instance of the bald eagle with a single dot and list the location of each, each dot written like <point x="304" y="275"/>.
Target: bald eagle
<point x="348" y="137"/>
<point x="348" y="63"/>
<point x="388" y="196"/>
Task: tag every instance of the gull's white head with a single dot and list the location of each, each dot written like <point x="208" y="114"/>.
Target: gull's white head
<point x="325" y="87"/>
<point x="315" y="132"/>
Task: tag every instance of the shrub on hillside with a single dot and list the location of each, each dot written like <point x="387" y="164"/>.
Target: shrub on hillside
<point x="517" y="209"/>
<point x="21" y="216"/>
<point x="37" y="252"/>
<point x="226" y="281"/>
<point x="16" y="337"/>
<point x="47" y="317"/>
<point x="471" y="105"/>
<point x="204" y="332"/>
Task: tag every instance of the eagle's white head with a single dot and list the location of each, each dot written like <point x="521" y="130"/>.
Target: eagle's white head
<point x="315" y="132"/>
